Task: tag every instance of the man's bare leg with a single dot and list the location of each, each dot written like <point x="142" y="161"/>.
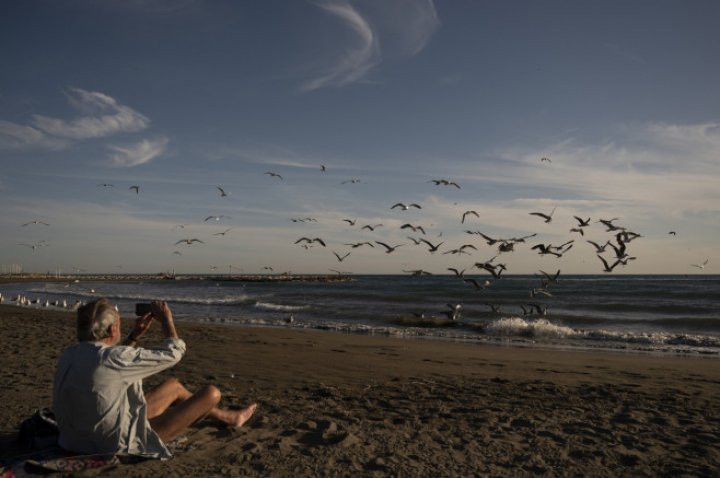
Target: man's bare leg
<point x="168" y="422"/>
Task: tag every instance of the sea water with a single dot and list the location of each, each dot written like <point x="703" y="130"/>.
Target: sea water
<point x="670" y="313"/>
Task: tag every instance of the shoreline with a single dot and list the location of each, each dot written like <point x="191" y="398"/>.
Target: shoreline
<point x="358" y="405"/>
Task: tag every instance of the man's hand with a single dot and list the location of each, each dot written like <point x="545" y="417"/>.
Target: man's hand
<point x="162" y="312"/>
<point x="142" y="324"/>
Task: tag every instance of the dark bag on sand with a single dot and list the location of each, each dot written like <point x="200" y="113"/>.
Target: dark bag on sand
<point x="39" y="431"/>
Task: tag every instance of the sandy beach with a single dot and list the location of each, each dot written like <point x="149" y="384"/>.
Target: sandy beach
<point x="350" y="405"/>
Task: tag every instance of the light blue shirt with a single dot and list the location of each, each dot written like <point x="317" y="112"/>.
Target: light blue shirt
<point x="98" y="398"/>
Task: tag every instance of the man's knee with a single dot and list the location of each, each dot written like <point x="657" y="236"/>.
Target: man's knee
<point x="212" y="393"/>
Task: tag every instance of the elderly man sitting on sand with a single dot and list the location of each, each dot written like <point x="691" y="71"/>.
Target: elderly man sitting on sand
<point x="98" y="397"/>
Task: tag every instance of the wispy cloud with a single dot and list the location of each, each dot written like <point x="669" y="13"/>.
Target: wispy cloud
<point x="407" y="26"/>
<point x="15" y="136"/>
<point x="138" y="153"/>
<point x="358" y="59"/>
<point x="653" y="169"/>
<point x="108" y="117"/>
<point x="102" y="116"/>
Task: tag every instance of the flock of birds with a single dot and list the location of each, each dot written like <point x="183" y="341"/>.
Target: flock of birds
<point x="612" y="254"/>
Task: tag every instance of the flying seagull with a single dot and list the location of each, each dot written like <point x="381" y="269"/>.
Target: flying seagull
<point x="307" y="240"/>
<point x="273" y="175"/>
<point x="414" y="228"/>
<point x="547" y="217"/>
<point x="188" y="241"/>
<point x="222" y="192"/>
<point x="351" y="222"/>
<point x="701" y="266"/>
<point x="433" y="247"/>
<point x="136" y="188"/>
<point x="406" y="207"/>
<point x="35" y="222"/>
<point x="217" y="218"/>
<point x="339" y="257"/>
<point x="372" y="228"/>
<point x="389" y="248"/>
<point x="222" y="233"/>
<point x="545" y="159"/>
<point x="467" y="213"/>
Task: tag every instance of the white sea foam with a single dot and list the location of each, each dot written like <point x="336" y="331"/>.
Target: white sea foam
<point x="279" y="307"/>
<point x="516" y="326"/>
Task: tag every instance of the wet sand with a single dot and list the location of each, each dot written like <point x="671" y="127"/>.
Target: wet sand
<point x="351" y="405"/>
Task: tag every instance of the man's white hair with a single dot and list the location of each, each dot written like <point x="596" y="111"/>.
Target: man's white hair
<point x="94" y="319"/>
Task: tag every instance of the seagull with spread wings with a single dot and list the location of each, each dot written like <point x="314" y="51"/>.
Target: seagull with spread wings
<point x="547" y="217"/>
<point x="388" y="248"/>
<point x="405" y="207"/>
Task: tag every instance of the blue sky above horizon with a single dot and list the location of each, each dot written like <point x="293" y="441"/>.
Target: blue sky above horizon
<point x="181" y="97"/>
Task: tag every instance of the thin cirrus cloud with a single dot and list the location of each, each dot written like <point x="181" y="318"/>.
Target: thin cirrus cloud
<point x="411" y="34"/>
<point x="109" y="117"/>
<point x="20" y="137"/>
<point x="137" y="153"/>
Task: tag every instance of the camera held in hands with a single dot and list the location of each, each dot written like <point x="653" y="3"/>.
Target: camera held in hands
<point x="142" y="309"/>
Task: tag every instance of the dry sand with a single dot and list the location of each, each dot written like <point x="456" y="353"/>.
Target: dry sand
<point x="350" y="405"/>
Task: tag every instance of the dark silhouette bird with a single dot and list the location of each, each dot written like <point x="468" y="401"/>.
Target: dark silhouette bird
<point x="189" y="241"/>
<point x="582" y="222"/>
<point x="339" y="257"/>
<point x="35" y="222"/>
<point x="358" y="244"/>
<point x="372" y="228"/>
<point x="388" y="248"/>
<point x="222" y="192"/>
<point x="273" y="175"/>
<point x="136" y="188"/>
<point x="469" y="213"/>
<point x="350" y="221"/>
<point x="606" y="266"/>
<point x="598" y="247"/>
<point x="309" y="241"/>
<point x="457" y="273"/>
<point x="433" y="247"/>
<point x="547" y="217"/>
<point x="414" y="228"/>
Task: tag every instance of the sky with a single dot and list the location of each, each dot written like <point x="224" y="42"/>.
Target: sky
<point x="357" y="106"/>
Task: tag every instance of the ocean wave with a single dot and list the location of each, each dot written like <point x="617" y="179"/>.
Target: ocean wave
<point x="280" y="307"/>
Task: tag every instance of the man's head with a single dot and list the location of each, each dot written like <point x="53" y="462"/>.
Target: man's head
<point x="98" y="320"/>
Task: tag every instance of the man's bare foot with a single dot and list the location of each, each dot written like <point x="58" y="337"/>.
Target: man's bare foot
<point x="242" y="416"/>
